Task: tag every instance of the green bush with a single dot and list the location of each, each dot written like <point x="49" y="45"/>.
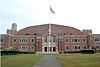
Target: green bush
<point x="26" y="52"/>
<point x="71" y="51"/>
<point x="94" y="48"/>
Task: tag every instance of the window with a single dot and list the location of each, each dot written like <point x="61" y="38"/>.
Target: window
<point x="1" y="39"/>
<point x="27" y="33"/>
<point x="84" y="47"/>
<point x="84" y="40"/>
<point x="67" y="47"/>
<point x="45" y="39"/>
<point x="23" y="40"/>
<point x="14" y="40"/>
<point x="34" y="33"/>
<point x="32" y="40"/>
<point x="1" y="47"/>
<point x="32" y="48"/>
<point x="75" y="47"/>
<point x="97" y="46"/>
<point x="64" y="33"/>
<point x="71" y="33"/>
<point x="76" y="40"/>
<point x="23" y="47"/>
<point x="66" y="40"/>
<point x="54" y="40"/>
<point x="96" y="39"/>
<point x="72" y="40"/>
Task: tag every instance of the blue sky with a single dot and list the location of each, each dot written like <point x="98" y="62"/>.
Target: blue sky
<point x="81" y="14"/>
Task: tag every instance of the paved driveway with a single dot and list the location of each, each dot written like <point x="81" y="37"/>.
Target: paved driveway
<point x="47" y="61"/>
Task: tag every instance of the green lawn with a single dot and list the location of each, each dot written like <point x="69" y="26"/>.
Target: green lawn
<point x="79" y="60"/>
<point x="66" y="60"/>
<point x="21" y="60"/>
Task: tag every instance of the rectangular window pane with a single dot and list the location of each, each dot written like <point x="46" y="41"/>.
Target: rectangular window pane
<point x="23" y="40"/>
<point x="84" y="47"/>
<point x="96" y="39"/>
<point x="97" y="47"/>
<point x="72" y="40"/>
<point x="67" y="47"/>
<point x="1" y="39"/>
<point x="32" y="48"/>
<point x="14" y="40"/>
<point x="76" y="47"/>
<point x="84" y="39"/>
<point x="76" y="40"/>
<point x="32" y="40"/>
<point x="67" y="40"/>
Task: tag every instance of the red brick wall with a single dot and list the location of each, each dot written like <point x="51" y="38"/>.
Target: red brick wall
<point x="62" y="32"/>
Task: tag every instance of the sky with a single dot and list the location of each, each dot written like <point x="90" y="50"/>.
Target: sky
<point x="80" y="14"/>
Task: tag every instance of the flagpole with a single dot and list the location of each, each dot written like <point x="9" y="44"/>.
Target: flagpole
<point x="49" y="32"/>
<point x="52" y="11"/>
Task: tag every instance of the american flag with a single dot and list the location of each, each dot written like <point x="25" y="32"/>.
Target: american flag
<point x="52" y="10"/>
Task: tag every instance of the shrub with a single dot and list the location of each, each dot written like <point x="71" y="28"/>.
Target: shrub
<point x="94" y="48"/>
<point x="71" y="51"/>
<point x="26" y="52"/>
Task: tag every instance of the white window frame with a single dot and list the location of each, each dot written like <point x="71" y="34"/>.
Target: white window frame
<point x="77" y="46"/>
<point x="26" y="40"/>
<point x="65" y="40"/>
<point x="13" y="40"/>
<point x="83" y="46"/>
<point x="67" y="46"/>
<point x="33" y="48"/>
<point x="96" y="41"/>
<point x="33" y="39"/>
<point x="21" y="48"/>
<point x="83" y="40"/>
<point x="97" y="48"/>
<point x="74" y="40"/>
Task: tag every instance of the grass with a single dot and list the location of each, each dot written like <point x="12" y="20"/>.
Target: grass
<point x="21" y="60"/>
<point x="79" y="60"/>
<point x="66" y="60"/>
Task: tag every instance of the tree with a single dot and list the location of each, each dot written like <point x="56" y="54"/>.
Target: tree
<point x="94" y="48"/>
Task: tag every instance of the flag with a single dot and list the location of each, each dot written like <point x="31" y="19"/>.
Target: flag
<point x="52" y="10"/>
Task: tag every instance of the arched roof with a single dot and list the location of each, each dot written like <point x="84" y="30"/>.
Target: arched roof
<point x="43" y="29"/>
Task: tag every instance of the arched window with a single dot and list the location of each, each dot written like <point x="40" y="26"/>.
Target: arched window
<point x="32" y="40"/>
<point x="67" y="47"/>
<point x="52" y="38"/>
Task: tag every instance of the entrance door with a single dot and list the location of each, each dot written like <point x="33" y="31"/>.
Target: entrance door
<point x="45" y="49"/>
<point x="54" y="49"/>
<point x="49" y="43"/>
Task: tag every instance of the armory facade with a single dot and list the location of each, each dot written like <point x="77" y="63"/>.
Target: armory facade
<point x="49" y="38"/>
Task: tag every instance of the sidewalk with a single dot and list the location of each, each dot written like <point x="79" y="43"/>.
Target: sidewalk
<point x="47" y="61"/>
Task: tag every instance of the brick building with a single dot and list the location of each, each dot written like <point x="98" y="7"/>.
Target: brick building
<point x="49" y="38"/>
